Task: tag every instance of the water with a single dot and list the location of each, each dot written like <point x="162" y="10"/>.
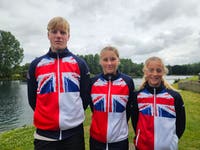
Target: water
<point x="14" y="108"/>
<point x="170" y="79"/>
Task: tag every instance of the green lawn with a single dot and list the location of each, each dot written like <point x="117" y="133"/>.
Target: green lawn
<point x="22" y="138"/>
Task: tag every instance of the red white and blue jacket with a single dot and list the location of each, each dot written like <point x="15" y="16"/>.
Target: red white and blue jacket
<point x="161" y="119"/>
<point x="57" y="93"/>
<point x="111" y="95"/>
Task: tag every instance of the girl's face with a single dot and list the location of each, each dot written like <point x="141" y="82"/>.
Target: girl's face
<point x="109" y="62"/>
<point x="154" y="73"/>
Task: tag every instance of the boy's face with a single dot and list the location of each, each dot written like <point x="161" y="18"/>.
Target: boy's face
<point x="58" y="39"/>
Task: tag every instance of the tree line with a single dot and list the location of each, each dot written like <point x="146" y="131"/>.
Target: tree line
<point x="126" y="66"/>
<point x="11" y="55"/>
<point x="135" y="70"/>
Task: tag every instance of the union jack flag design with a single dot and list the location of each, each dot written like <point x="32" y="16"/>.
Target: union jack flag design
<point x="46" y="61"/>
<point x="166" y="111"/>
<point x="46" y="83"/>
<point x="109" y="99"/>
<point x="117" y="103"/>
<point x="69" y="59"/>
<point x="146" y="108"/>
<point x="70" y="82"/>
<point x="99" y="101"/>
<point x="150" y="104"/>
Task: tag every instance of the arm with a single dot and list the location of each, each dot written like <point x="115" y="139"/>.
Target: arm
<point x="31" y="86"/>
<point x="180" y="115"/>
<point x="84" y="84"/>
<point x="130" y="99"/>
<point x="134" y="111"/>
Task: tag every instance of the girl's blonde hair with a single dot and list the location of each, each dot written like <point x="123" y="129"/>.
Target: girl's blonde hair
<point x="110" y="48"/>
<point x="58" y="23"/>
<point x="154" y="58"/>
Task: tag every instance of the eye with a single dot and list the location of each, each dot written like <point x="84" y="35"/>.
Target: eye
<point x="53" y="31"/>
<point x="105" y="59"/>
<point x="113" y="59"/>
<point x="63" y="32"/>
<point x="151" y="70"/>
<point x="158" y="70"/>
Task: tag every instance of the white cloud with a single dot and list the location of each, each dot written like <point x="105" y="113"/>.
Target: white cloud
<point x="138" y="28"/>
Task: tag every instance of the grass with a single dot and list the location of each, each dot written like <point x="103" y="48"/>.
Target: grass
<point x="22" y="138"/>
<point x="17" y="139"/>
<point x="191" y="137"/>
<point x="193" y="78"/>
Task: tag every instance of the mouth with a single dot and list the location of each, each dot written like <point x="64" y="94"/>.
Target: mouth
<point x="155" y="79"/>
<point x="58" y="42"/>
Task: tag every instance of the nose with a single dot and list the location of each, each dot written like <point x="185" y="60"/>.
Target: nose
<point x="155" y="73"/>
<point x="109" y="61"/>
<point x="58" y="33"/>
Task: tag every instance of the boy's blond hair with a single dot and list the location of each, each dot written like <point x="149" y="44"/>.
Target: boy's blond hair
<point x="58" y="23"/>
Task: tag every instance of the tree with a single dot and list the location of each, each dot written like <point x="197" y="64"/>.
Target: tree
<point x="11" y="54"/>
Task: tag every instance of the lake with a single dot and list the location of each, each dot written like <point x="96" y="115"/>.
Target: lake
<point x="15" y="110"/>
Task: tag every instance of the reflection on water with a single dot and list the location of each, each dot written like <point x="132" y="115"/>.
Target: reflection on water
<point x="15" y="110"/>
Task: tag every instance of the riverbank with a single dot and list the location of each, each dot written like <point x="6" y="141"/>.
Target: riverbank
<point x="22" y="138"/>
<point x="190" y="84"/>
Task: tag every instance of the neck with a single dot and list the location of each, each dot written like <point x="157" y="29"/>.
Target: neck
<point x="57" y="50"/>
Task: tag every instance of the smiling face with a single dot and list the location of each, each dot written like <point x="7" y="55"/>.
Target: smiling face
<point x="154" y="72"/>
<point x="109" y="61"/>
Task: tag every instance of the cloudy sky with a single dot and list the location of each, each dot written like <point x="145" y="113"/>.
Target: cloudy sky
<point x="138" y="28"/>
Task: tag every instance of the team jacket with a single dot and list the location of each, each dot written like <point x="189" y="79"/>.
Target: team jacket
<point x="161" y="119"/>
<point x="111" y="95"/>
<point x="57" y="93"/>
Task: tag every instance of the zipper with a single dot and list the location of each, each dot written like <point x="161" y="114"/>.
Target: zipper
<point x="106" y="146"/>
<point x="154" y="101"/>
<point x="108" y="102"/>
<point x="58" y="75"/>
<point x="109" y="89"/>
<point x="137" y="138"/>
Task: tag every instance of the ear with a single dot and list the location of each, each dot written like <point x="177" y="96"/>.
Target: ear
<point x="68" y="36"/>
<point x="100" y="62"/>
<point x="48" y="35"/>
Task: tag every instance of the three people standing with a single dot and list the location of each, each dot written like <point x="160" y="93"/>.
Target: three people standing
<point x="58" y="94"/>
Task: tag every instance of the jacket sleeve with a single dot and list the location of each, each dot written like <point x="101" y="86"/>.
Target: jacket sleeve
<point x="90" y="99"/>
<point x="32" y="86"/>
<point x="130" y="99"/>
<point x="134" y="111"/>
<point x="180" y="115"/>
<point x="84" y="84"/>
<point x="92" y="81"/>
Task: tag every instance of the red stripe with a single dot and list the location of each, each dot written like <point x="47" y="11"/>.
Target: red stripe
<point x="159" y="100"/>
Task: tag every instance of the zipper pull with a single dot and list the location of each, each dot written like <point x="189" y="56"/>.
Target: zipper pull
<point x="109" y="77"/>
